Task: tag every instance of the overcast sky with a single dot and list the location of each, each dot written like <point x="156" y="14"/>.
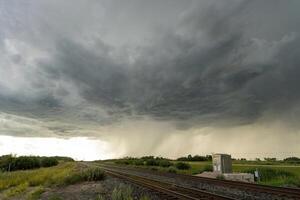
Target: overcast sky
<point x="154" y="77"/>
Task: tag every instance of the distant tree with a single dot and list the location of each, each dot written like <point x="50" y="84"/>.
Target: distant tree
<point x="6" y="162"/>
<point x="26" y="162"/>
<point x="292" y="160"/>
<point x="195" y="158"/>
<point x="270" y="159"/>
<point x="208" y="157"/>
<point x="48" y="162"/>
<point x="147" y="157"/>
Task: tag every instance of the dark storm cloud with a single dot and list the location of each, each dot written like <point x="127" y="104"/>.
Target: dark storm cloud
<point x="212" y="62"/>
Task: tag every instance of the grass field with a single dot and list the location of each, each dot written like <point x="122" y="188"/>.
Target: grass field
<point x="32" y="183"/>
<point x="277" y="175"/>
<point x="272" y="173"/>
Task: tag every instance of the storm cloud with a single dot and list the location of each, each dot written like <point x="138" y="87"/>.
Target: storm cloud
<point x="83" y="68"/>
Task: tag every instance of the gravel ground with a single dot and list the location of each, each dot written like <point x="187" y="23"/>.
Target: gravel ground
<point x="227" y="191"/>
<point x="91" y="190"/>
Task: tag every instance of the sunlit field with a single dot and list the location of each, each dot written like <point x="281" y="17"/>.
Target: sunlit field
<point x="32" y="183"/>
<point x="275" y="173"/>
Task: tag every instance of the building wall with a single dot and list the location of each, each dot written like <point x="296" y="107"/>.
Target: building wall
<point x="222" y="163"/>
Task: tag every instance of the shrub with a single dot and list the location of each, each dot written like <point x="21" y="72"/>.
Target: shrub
<point x="172" y="170"/>
<point x="73" y="178"/>
<point x="25" y="162"/>
<point x="138" y="162"/>
<point x="182" y="165"/>
<point x="93" y="174"/>
<point x="267" y="174"/>
<point x="48" y="161"/>
<point x="165" y="163"/>
<point x="122" y="192"/>
<point x="90" y="174"/>
<point x="152" y="162"/>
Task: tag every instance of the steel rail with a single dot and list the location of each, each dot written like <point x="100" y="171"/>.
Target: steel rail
<point x="173" y="191"/>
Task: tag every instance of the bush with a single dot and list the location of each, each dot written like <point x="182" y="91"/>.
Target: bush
<point x="48" y="161"/>
<point x="12" y="163"/>
<point x="164" y="163"/>
<point x="138" y="162"/>
<point x="182" y="165"/>
<point x="268" y="174"/>
<point x="172" y="170"/>
<point x="25" y="162"/>
<point x="93" y="174"/>
<point x="122" y="192"/>
<point x="152" y="162"/>
<point x="73" y="178"/>
<point x="90" y="174"/>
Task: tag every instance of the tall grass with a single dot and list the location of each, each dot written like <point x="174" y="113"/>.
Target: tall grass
<point x="124" y="192"/>
<point x="276" y="177"/>
<point x="17" y="182"/>
<point x="42" y="176"/>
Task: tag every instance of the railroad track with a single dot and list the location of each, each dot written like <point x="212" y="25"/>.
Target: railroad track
<point x="279" y="192"/>
<point x="165" y="190"/>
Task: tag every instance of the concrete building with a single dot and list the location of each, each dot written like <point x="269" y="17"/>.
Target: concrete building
<point x="244" y="177"/>
<point x="222" y="163"/>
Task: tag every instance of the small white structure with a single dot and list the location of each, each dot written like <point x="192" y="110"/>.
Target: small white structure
<point x="222" y="163"/>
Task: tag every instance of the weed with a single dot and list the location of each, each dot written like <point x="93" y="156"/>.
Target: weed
<point x="144" y="198"/>
<point x="122" y="192"/>
<point x="90" y="174"/>
<point x="100" y="197"/>
<point x="35" y="194"/>
<point x="55" y="197"/>
<point x="16" y="190"/>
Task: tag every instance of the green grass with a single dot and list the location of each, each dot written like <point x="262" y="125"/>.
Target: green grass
<point x="35" y="194"/>
<point x="42" y="176"/>
<point x="33" y="182"/>
<point x="274" y="173"/>
<point x="124" y="192"/>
